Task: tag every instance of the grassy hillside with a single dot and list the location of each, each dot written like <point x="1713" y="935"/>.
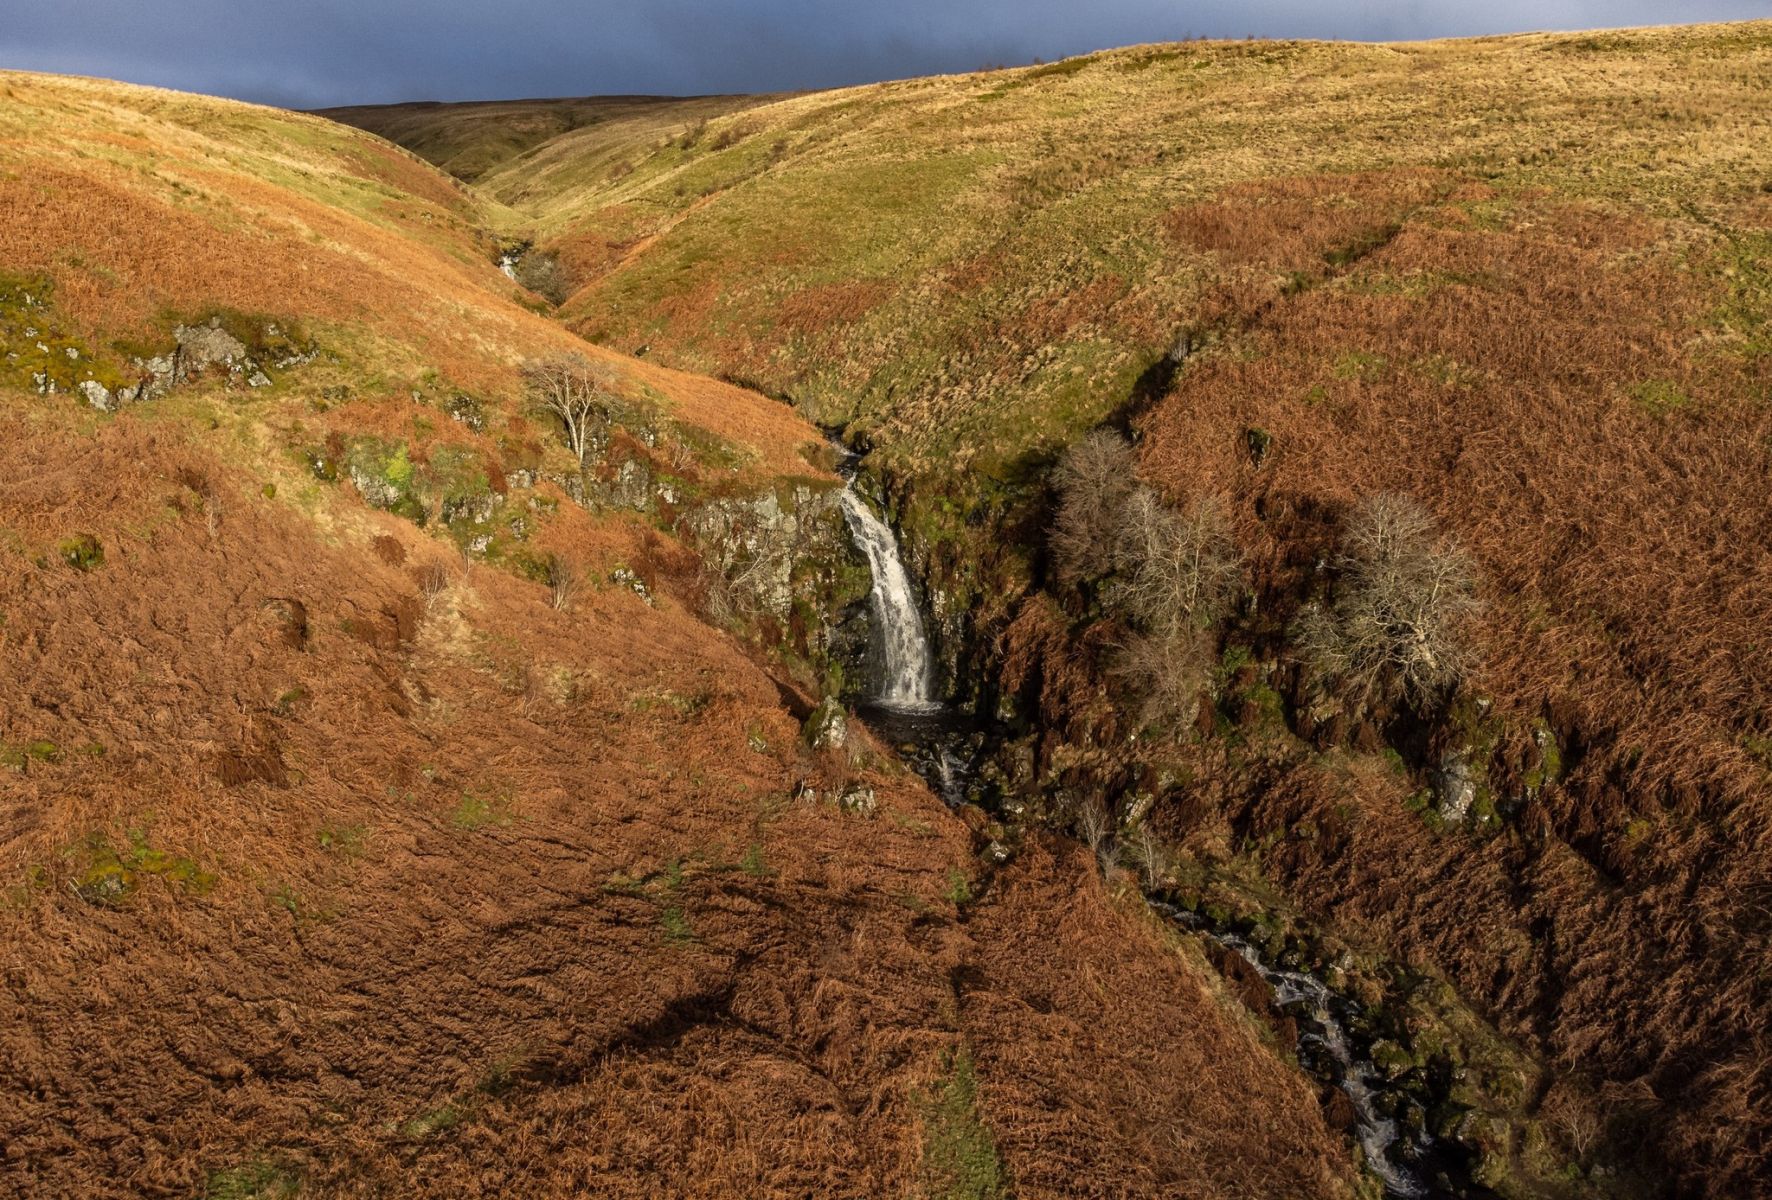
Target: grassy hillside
<point x="982" y="262"/>
<point x="1522" y="280"/>
<point x="379" y="820"/>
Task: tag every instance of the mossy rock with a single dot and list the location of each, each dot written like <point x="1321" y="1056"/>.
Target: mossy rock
<point x="83" y="552"/>
<point x="111" y="876"/>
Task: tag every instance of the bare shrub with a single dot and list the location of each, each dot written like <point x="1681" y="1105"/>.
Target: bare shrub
<point x="578" y="393"/>
<point x="1574" y="1119"/>
<point x="1094" y="478"/>
<point x="1400" y="607"/>
<point x="1147" y="856"/>
<point x="1164" y="672"/>
<point x="433" y="581"/>
<point x="540" y="271"/>
<point x="1176" y="570"/>
<point x="564" y="579"/>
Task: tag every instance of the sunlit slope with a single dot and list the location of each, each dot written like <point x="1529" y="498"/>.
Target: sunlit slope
<point x="1524" y="281"/>
<point x="379" y="819"/>
<point x="138" y="208"/>
<point x="987" y="261"/>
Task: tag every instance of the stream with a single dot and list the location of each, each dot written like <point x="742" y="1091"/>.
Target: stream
<point x="946" y="747"/>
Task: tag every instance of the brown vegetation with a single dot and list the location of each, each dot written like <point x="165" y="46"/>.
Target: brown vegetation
<point x="335" y="862"/>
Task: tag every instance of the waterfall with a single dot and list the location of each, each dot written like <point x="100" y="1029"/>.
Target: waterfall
<point x="907" y="685"/>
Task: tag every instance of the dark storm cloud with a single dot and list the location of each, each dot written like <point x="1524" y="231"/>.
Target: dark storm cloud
<point x="343" y="51"/>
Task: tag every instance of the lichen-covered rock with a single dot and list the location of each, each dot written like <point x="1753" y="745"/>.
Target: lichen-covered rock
<point x="99" y="396"/>
<point x="204" y="346"/>
<point x="624" y="577"/>
<point x="473" y="509"/>
<point x="376" y="491"/>
<point x="468" y="411"/>
<point x="858" y="800"/>
<point x="828" y="726"/>
<point x="1455" y="788"/>
<point x="633" y="487"/>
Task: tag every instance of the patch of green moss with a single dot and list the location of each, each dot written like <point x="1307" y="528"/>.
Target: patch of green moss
<point x="1548" y="767"/>
<point x="476" y="812"/>
<point x="108" y="875"/>
<point x="345" y="841"/>
<point x="36" y="353"/>
<point x="384" y="473"/>
<point x="83" y="552"/>
<point x="960" y="1158"/>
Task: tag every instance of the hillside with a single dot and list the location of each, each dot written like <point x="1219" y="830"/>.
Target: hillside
<point x="1522" y="281"/>
<point x="473" y="140"/>
<point x="388" y="807"/>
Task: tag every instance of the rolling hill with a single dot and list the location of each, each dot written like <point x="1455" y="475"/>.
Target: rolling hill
<point x="387" y="808"/>
<point x="1522" y="281"/>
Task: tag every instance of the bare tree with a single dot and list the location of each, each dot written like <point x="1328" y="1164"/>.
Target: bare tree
<point x="1401" y="604"/>
<point x="575" y="391"/>
<point x="1094" y="477"/>
<point x="1096" y="829"/>
<point x="1148" y="856"/>
<point x="1176" y="570"/>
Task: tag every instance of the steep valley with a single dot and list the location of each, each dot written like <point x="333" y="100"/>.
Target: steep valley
<point x="402" y="799"/>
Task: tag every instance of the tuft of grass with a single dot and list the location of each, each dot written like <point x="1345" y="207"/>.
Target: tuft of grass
<point x="436" y="1121"/>
<point x="261" y="1180"/>
<point x="676" y="926"/>
<point x="959" y="888"/>
<point x="475" y="811"/>
<point x="752" y="863"/>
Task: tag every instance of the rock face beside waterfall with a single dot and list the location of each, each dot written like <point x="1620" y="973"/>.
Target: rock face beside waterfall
<point x="781" y="567"/>
<point x="787" y="568"/>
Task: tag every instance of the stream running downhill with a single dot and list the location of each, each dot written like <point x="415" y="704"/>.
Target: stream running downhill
<point x="945" y="746"/>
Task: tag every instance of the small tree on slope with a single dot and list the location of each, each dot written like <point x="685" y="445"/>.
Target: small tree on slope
<point x="575" y="391"/>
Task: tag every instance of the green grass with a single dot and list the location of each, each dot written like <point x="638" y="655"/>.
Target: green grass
<point x="475" y="811"/>
<point x="264" y="1180"/>
<point x="960" y="1159"/>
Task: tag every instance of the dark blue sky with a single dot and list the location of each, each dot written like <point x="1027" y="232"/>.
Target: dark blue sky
<point x="306" y="53"/>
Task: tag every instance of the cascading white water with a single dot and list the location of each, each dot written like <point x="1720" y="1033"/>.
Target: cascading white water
<point x="908" y="684"/>
<point x="1321" y="1028"/>
<point x="1377" y="1134"/>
